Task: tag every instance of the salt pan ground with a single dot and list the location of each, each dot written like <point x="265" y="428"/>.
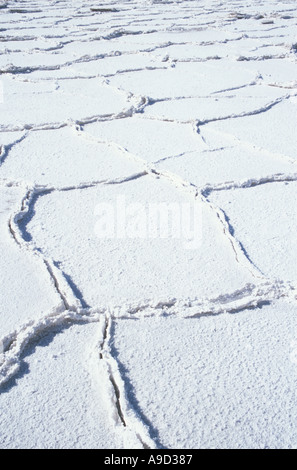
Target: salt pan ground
<point x="112" y="337"/>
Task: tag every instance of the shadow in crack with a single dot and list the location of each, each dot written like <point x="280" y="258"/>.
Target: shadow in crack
<point x="13" y="381"/>
<point x="27" y="237"/>
<point x="131" y="393"/>
<point x="40" y="340"/>
<point x="5" y="149"/>
<point x="28" y="216"/>
<point x="76" y="291"/>
<point x="232" y="233"/>
<point x="242" y="308"/>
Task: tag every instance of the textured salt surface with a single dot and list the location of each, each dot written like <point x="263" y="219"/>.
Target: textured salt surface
<point x="130" y="339"/>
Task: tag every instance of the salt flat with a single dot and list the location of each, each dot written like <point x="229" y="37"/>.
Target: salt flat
<point x="148" y="174"/>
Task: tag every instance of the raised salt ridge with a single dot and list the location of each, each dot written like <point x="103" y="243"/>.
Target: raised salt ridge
<point x="115" y="333"/>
